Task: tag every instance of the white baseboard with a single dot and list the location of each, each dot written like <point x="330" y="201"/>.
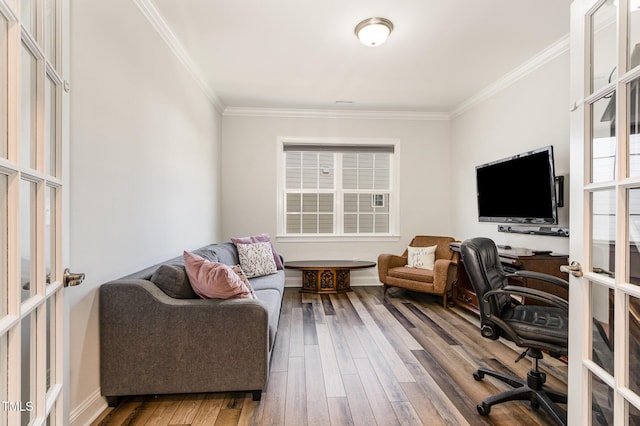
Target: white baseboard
<point x="88" y="410"/>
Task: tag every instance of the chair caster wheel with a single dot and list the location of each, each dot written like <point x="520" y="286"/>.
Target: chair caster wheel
<point x="478" y="375"/>
<point x="483" y="409"/>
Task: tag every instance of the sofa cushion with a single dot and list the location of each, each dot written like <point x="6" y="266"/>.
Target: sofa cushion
<point x="147" y="273"/>
<point x="412" y="274"/>
<point x="272" y="299"/>
<point x="214" y="280"/>
<point x="261" y="238"/>
<point x="256" y="259"/>
<point x="273" y="282"/>
<point x="173" y="280"/>
<point x="207" y="253"/>
<point x="227" y="253"/>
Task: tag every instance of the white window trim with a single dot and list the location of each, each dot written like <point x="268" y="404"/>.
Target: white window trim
<point x="394" y="208"/>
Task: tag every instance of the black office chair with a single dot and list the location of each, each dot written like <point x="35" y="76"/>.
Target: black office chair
<point x="533" y="327"/>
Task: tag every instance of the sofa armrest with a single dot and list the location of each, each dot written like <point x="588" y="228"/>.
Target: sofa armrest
<point x="444" y="273"/>
<point x="387" y="261"/>
<point x="151" y="343"/>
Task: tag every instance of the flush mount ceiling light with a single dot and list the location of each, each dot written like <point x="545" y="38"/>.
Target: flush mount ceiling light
<point x="373" y="31"/>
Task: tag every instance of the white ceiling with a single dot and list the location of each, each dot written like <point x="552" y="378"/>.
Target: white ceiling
<point x="304" y="54"/>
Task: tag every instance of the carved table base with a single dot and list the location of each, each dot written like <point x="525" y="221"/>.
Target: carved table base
<point x="327" y="276"/>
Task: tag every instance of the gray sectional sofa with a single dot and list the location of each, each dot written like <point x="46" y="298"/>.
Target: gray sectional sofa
<point x="164" y="341"/>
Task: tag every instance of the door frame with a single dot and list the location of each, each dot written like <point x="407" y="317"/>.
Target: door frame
<point x="36" y="228"/>
<point x="581" y="364"/>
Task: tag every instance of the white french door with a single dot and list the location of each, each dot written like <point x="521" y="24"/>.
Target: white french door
<point x="32" y="111"/>
<point x="604" y="351"/>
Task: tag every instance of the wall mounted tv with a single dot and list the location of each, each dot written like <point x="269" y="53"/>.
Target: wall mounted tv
<point x="518" y="189"/>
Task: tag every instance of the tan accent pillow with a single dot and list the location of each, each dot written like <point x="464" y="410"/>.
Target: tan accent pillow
<point x="238" y="270"/>
<point x="422" y="257"/>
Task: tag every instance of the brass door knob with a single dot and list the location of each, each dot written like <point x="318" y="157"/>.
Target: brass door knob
<point x="72" y="279"/>
<point x="574" y="268"/>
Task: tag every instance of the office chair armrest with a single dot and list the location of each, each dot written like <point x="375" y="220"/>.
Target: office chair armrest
<point x="540" y="276"/>
<point x="527" y="292"/>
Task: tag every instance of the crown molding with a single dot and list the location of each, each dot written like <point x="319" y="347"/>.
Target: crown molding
<point x="150" y="11"/>
<point x="157" y="21"/>
<point x="338" y="113"/>
<point x="547" y="55"/>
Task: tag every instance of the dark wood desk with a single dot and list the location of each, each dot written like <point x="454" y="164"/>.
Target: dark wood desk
<point x="327" y="276"/>
<point x="512" y="260"/>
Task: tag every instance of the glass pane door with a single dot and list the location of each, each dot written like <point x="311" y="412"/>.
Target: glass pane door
<point x="604" y="356"/>
<point x="31" y="314"/>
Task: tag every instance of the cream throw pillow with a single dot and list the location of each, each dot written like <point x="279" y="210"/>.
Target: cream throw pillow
<point x="256" y="259"/>
<point x="238" y="270"/>
<point x="422" y="257"/>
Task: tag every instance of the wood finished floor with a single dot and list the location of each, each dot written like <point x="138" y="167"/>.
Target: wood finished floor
<point x="359" y="359"/>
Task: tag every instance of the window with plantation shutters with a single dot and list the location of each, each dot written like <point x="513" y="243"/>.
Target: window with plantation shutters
<point x="310" y="187"/>
<point x="366" y="189"/>
<point x="337" y="188"/>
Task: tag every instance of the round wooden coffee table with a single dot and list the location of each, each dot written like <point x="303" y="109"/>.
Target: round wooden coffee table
<point x="327" y="276"/>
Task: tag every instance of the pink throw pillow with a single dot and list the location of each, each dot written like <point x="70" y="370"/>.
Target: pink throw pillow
<point x="261" y="238"/>
<point x="213" y="280"/>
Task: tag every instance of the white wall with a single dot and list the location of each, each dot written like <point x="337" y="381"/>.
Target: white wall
<point x="531" y="113"/>
<point x="249" y="191"/>
<point x="145" y="153"/>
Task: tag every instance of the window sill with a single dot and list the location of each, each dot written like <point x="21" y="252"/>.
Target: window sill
<point x="336" y="238"/>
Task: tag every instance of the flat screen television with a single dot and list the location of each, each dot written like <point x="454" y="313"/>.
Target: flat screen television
<point x="518" y="189"/>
